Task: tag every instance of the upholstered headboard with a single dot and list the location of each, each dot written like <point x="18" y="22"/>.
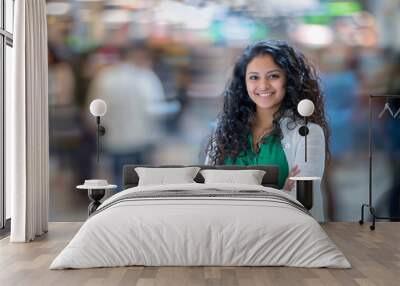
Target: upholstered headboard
<point x="270" y="179"/>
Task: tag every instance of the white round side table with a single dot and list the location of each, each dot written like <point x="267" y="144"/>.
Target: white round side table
<point x="95" y="194"/>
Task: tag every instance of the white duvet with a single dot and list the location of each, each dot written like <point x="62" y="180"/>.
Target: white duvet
<point x="200" y="231"/>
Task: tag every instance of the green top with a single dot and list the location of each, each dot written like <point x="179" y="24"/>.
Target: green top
<point x="270" y="153"/>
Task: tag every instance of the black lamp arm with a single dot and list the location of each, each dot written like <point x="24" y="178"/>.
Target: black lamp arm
<point x="303" y="130"/>
<point x="305" y="140"/>
<point x="100" y="132"/>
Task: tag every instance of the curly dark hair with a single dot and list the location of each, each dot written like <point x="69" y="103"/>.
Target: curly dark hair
<point x="238" y="113"/>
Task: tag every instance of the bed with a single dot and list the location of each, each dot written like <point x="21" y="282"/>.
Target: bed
<point x="201" y="224"/>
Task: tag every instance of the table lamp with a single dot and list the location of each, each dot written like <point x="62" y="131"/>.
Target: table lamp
<point x="305" y="109"/>
<point x="304" y="185"/>
<point x="98" y="108"/>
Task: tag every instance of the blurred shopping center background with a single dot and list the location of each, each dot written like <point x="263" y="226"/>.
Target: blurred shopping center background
<point x="161" y="66"/>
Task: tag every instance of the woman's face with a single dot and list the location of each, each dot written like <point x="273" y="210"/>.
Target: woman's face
<point x="265" y="82"/>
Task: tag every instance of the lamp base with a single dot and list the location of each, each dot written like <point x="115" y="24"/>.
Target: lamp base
<point x="95" y="195"/>
<point x="304" y="190"/>
<point x="304" y="193"/>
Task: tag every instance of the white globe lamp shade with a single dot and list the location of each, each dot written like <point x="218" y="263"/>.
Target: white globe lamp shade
<point x="305" y="107"/>
<point x="98" y="107"/>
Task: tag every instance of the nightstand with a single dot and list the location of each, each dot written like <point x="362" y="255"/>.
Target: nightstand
<point x="96" y="191"/>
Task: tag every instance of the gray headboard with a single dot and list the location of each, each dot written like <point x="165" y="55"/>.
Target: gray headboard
<point x="131" y="179"/>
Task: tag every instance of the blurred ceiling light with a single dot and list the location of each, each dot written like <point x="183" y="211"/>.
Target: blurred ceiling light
<point x="145" y="16"/>
<point x="130" y="4"/>
<point x="169" y="12"/>
<point x="201" y="18"/>
<point x="238" y="29"/>
<point x="313" y="35"/>
<point x="195" y="2"/>
<point x="290" y="6"/>
<point x="273" y="8"/>
<point x="192" y="17"/>
<point x="58" y="8"/>
<point x="116" y="17"/>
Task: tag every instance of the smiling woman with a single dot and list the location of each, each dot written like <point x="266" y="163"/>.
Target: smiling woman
<point x="259" y="123"/>
<point x="265" y="83"/>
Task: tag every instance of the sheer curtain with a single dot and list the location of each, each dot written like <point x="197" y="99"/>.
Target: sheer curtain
<point x="27" y="148"/>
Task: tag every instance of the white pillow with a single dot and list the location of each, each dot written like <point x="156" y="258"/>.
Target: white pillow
<point x="248" y="177"/>
<point x="163" y="176"/>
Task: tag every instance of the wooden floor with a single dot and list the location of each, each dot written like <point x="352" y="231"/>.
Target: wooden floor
<point x="374" y="255"/>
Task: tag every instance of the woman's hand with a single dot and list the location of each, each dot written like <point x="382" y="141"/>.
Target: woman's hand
<point x="290" y="183"/>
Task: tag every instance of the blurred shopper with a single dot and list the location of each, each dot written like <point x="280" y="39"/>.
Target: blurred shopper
<point x="64" y="122"/>
<point x="131" y="90"/>
<point x="340" y="85"/>
<point x="172" y="66"/>
<point x="259" y="123"/>
<point x="392" y="133"/>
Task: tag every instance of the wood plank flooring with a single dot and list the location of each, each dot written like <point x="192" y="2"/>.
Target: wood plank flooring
<point x="374" y="255"/>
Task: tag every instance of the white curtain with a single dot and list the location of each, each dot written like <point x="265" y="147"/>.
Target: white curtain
<point x="27" y="147"/>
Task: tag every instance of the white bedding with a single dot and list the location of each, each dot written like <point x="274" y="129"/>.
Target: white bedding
<point x="200" y="231"/>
